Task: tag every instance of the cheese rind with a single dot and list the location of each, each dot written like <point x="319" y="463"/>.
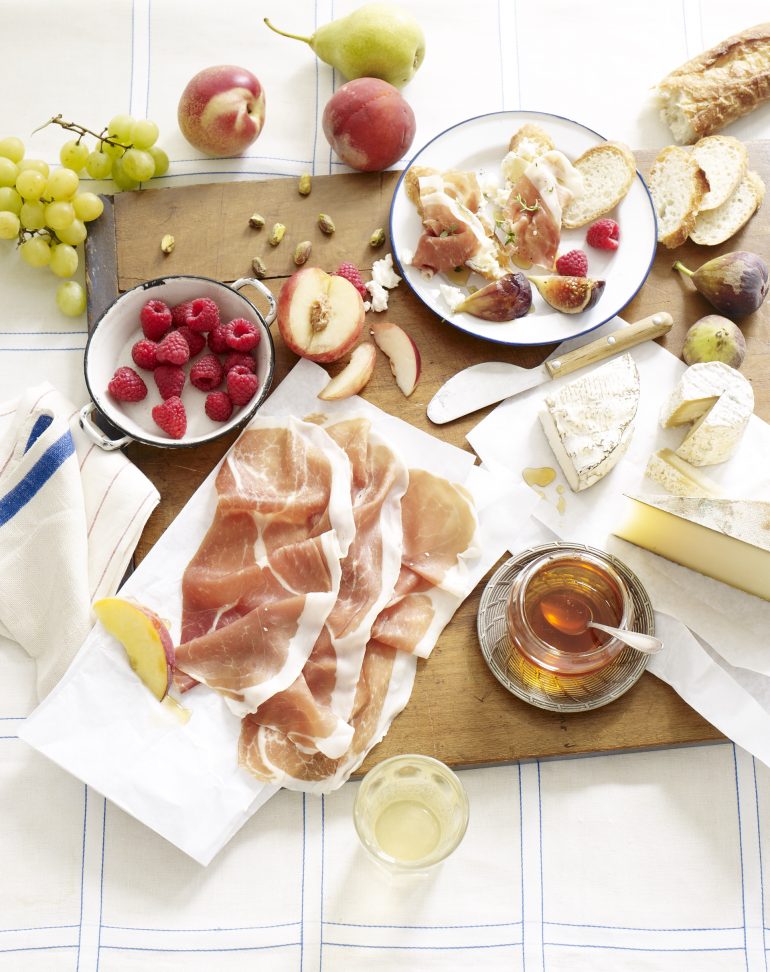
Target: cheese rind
<point x="678" y="476"/>
<point x="589" y="422"/>
<point x="726" y="539"/>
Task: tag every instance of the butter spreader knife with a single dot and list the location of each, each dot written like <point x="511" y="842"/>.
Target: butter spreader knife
<point x="492" y="381"/>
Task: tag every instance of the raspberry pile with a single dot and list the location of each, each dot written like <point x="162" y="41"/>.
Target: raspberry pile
<point x="190" y="340"/>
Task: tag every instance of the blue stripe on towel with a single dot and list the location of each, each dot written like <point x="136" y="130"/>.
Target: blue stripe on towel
<point x="41" y="424"/>
<point x="25" y="490"/>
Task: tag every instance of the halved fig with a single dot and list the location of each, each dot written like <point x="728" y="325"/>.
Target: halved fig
<point x="502" y="300"/>
<point x="570" y="295"/>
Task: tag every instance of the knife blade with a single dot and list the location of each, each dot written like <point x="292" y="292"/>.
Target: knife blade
<point x="491" y="381"/>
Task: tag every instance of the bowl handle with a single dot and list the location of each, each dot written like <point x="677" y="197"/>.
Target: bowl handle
<point x="258" y="285"/>
<point x="95" y="434"/>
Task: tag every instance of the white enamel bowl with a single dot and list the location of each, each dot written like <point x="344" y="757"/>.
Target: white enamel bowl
<point x="118" y="329"/>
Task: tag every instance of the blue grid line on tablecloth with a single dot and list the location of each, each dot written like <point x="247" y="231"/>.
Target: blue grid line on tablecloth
<point x="542" y="882"/>
<point x="761" y="866"/>
<point x="323" y="864"/>
<point x="423" y="948"/>
<point x="368" y="924"/>
<point x="37" y="928"/>
<point x="149" y="59"/>
<point x="302" y="885"/>
<point x="223" y="948"/>
<point x="634" y="948"/>
<point x="101" y="888"/>
<point x="47" y="349"/>
<point x="37" y="948"/>
<point x="740" y="854"/>
<point x="82" y="873"/>
<point x="221" y="928"/>
<point x="521" y="867"/>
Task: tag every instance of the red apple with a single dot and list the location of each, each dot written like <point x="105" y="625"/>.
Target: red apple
<point x="353" y="376"/>
<point x="368" y="124"/>
<point x="222" y="110"/>
<point x="402" y="352"/>
<point x="320" y="315"/>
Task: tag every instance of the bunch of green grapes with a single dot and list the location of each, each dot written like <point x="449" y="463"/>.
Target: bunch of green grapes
<point x="46" y="210"/>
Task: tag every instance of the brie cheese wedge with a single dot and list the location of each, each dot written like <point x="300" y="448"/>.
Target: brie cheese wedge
<point x="678" y="476"/>
<point x="589" y="422"/>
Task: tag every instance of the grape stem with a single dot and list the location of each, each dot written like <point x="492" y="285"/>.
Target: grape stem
<point x="25" y="234"/>
<point x="81" y="130"/>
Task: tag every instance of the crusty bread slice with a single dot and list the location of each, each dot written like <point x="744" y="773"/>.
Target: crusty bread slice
<point x="724" y="160"/>
<point x="717" y="87"/>
<point x="677" y="185"/>
<point x="608" y="171"/>
<point x="530" y="141"/>
<point x="714" y="226"/>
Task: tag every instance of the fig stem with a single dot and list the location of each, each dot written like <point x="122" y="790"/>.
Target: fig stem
<point x="682" y="268"/>
<point x="284" y="33"/>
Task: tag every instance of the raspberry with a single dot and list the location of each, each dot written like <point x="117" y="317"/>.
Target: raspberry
<point x="218" y="406"/>
<point x="170" y="380"/>
<point x="171" y="417"/>
<point x="155" y="318"/>
<point x="604" y="234"/>
<point x="195" y="340"/>
<point x="143" y="353"/>
<point x="351" y="273"/>
<point x="203" y="314"/>
<point x="241" y="385"/>
<point x="173" y="349"/>
<point x="573" y="264"/>
<point x="241" y="335"/>
<point x="218" y="339"/>
<point x="179" y="313"/>
<point x="127" y="386"/>
<point x="236" y="358"/>
<point x="207" y="373"/>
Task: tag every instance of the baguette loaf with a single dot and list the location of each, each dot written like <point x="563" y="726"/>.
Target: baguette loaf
<point x="717" y="87"/>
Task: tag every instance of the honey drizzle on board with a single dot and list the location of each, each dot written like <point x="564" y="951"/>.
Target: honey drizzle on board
<point x="538" y="475"/>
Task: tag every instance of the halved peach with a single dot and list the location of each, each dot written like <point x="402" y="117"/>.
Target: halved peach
<point x="145" y="637"/>
<point x="320" y="315"/>
<point x="353" y="376"/>
<point x="401" y="351"/>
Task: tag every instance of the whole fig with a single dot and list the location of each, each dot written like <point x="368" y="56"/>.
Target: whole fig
<point x="714" y="338"/>
<point x="502" y="300"/>
<point x="735" y="283"/>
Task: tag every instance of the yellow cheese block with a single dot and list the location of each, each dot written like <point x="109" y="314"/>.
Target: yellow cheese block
<point x="727" y="539"/>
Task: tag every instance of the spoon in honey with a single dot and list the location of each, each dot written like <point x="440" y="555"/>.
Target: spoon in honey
<point x="572" y="617"/>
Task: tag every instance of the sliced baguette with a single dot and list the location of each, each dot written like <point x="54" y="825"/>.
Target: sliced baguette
<point x="677" y="185"/>
<point x="714" y="226"/>
<point x="530" y="141"/>
<point x="724" y="160"/>
<point x="717" y="87"/>
<point x="608" y="171"/>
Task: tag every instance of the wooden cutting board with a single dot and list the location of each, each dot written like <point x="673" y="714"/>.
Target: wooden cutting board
<point x="458" y="712"/>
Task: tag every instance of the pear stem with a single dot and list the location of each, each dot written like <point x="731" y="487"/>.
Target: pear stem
<point x="682" y="268"/>
<point x="283" y="33"/>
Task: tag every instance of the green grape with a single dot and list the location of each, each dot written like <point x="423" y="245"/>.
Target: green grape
<point x="36" y="251"/>
<point x="73" y="234"/>
<point x="112" y="151"/>
<point x="8" y="172"/>
<point x="87" y="206"/>
<point x="120" y="127"/>
<point x="138" y="165"/>
<point x="144" y="133"/>
<point x="62" y="184"/>
<point x="10" y="200"/>
<point x="99" y="165"/>
<point x="9" y="226"/>
<point x="120" y="177"/>
<point x="12" y="148"/>
<point x="71" y="298"/>
<point x="35" y="164"/>
<point x="59" y="215"/>
<point x="160" y="159"/>
<point x="30" y="184"/>
<point x="64" y="259"/>
<point x="32" y="215"/>
<point x="73" y="155"/>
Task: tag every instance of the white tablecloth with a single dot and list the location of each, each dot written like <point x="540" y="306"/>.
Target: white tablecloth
<point x="646" y="861"/>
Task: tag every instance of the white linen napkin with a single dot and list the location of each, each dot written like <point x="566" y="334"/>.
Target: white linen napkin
<point x="70" y="517"/>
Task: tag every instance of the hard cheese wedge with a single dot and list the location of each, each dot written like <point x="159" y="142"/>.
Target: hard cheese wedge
<point x="590" y="421"/>
<point x="726" y="539"/>
<point x="678" y="476"/>
<point x="719" y="401"/>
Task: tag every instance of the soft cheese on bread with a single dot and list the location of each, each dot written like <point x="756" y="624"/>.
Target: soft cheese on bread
<point x="677" y="185"/>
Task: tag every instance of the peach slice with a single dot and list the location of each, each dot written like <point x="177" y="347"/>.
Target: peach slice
<point x="320" y="315"/>
<point x="401" y="351"/>
<point x="353" y="376"/>
<point x="146" y="640"/>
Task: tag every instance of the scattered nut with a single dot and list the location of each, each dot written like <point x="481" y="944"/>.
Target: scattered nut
<point x="276" y="234"/>
<point x="326" y="224"/>
<point x="167" y="243"/>
<point x="302" y="252"/>
<point x="377" y="238"/>
<point x="259" y="268"/>
<point x="256" y="221"/>
<point x="303" y="186"/>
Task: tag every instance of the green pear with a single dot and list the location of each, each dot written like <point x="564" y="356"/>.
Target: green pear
<point x="378" y="40"/>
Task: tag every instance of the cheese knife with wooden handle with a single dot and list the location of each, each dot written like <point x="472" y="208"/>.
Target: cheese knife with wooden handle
<point x="492" y="381"/>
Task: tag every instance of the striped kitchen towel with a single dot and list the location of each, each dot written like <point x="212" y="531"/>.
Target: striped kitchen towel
<point x="70" y="518"/>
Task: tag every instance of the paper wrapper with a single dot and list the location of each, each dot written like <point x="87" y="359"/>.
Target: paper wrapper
<point x="180" y="778"/>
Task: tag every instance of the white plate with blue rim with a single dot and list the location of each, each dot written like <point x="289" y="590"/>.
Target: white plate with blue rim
<point x="480" y="144"/>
